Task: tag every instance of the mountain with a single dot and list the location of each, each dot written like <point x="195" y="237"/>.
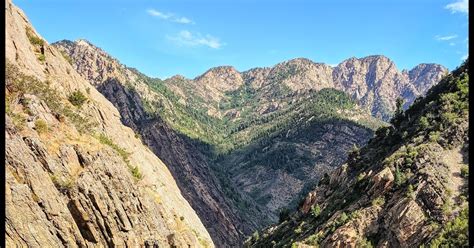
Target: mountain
<point x="251" y="167"/>
<point x="374" y="81"/>
<point x="406" y="188"/>
<point x="204" y="149"/>
<point x="75" y="175"/>
<point x="129" y="90"/>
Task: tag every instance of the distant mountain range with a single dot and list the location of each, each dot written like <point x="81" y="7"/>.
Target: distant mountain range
<point x="374" y="81"/>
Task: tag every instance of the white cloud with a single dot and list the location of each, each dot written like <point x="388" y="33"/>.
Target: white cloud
<point x="445" y="38"/>
<point x="159" y="14"/>
<point x="452" y="43"/>
<point x="186" y="38"/>
<point x="169" y="16"/>
<point x="461" y="6"/>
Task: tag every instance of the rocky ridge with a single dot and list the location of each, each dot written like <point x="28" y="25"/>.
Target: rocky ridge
<point x="84" y="177"/>
<point x="374" y="81"/>
<point x="407" y="187"/>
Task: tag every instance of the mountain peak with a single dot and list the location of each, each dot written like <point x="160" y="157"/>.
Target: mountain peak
<point x="222" y="69"/>
<point x="220" y="79"/>
<point x="177" y="77"/>
<point x="84" y="42"/>
<point x="424" y="66"/>
<point x="299" y="60"/>
<point x="422" y="74"/>
<point x="222" y="72"/>
<point x="375" y="57"/>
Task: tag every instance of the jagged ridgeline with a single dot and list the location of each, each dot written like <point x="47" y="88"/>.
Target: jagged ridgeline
<point x="406" y="188"/>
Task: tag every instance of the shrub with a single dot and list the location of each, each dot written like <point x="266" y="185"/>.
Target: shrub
<point x="34" y="40"/>
<point x="434" y="136"/>
<point x="424" y="123"/>
<point x="400" y="178"/>
<point x="316" y="210"/>
<point x="454" y="233"/>
<point x="107" y="141"/>
<point x="136" y="172"/>
<point x="41" y="57"/>
<point x="77" y="98"/>
<point x="449" y="118"/>
<point x="41" y="126"/>
<point x="379" y="201"/>
<point x="66" y="56"/>
<point x="364" y="243"/>
<point x="360" y="177"/>
<point x="465" y="171"/>
<point x="20" y="84"/>
<point x="343" y="218"/>
<point x="314" y="239"/>
<point x="410" y="192"/>
<point x="255" y="236"/>
<point x="404" y="134"/>
<point x="123" y="153"/>
<point x="18" y="120"/>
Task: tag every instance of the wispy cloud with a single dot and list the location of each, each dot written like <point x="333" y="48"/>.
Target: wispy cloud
<point x="183" y="20"/>
<point x="186" y="38"/>
<point x="446" y="38"/>
<point x="461" y="6"/>
<point x="159" y="14"/>
<point x="169" y="16"/>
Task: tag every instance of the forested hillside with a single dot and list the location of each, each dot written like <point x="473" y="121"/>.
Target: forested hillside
<point x="407" y="187"/>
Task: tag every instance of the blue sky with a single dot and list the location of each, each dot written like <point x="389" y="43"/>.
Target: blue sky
<point x="163" y="38"/>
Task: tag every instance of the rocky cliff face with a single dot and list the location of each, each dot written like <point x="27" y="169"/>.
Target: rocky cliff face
<point x="187" y="164"/>
<point x="423" y="76"/>
<point x="407" y="187"/>
<point x="377" y="83"/>
<point x="75" y="175"/>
